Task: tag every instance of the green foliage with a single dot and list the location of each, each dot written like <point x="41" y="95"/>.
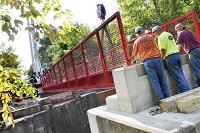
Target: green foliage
<point x="36" y="10"/>
<point x="7" y="57"/>
<point x="2" y="124"/>
<point x="9" y="60"/>
<point x="29" y="72"/>
<point x="45" y="51"/>
<point x="52" y="52"/>
<point x="148" y="13"/>
<point x="11" y="85"/>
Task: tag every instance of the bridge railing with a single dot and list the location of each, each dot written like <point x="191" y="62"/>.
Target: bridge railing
<point x="189" y="20"/>
<point x="90" y="63"/>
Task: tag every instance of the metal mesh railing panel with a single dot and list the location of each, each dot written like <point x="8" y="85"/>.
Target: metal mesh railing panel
<point x="44" y="78"/>
<point x="48" y="79"/>
<point x="49" y="82"/>
<point x="95" y="65"/>
<point x="112" y="45"/>
<point x="92" y="55"/>
<point x="57" y="73"/>
<point x="78" y="62"/>
<point x="53" y="77"/>
<point x="69" y="68"/>
<point x="62" y="71"/>
<point x="80" y="70"/>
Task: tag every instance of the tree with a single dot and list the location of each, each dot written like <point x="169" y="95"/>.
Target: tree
<point x="148" y="13"/>
<point x="45" y="51"/>
<point x="36" y="10"/>
<point x="7" y="57"/>
<point x="11" y="84"/>
<point x="52" y="52"/>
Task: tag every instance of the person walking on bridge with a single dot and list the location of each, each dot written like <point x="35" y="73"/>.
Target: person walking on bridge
<point x="187" y="41"/>
<point x="145" y="46"/>
<point x="170" y="52"/>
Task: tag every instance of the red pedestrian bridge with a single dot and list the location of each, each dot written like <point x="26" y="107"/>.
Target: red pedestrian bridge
<point x="89" y="65"/>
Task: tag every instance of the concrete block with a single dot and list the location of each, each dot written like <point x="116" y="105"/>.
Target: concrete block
<point x="188" y="101"/>
<point x="189" y="109"/>
<point x="112" y="102"/>
<point x="130" y="89"/>
<point x="189" y="104"/>
<point x="140" y="70"/>
<point x="120" y="81"/>
<point x="127" y="105"/>
<point x="169" y="104"/>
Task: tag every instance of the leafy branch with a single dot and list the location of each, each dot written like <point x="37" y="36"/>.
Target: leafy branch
<point x="11" y="85"/>
<point x="36" y="10"/>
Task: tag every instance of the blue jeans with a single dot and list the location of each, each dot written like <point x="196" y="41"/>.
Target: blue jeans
<point x="174" y="64"/>
<point x="195" y="62"/>
<point x="156" y="73"/>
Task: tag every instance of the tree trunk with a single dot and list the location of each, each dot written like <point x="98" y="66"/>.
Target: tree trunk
<point x="158" y="10"/>
<point x="174" y="10"/>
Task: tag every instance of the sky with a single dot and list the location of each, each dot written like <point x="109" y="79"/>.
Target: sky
<point x="83" y="11"/>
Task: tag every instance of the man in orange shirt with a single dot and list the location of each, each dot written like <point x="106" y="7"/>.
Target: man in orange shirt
<point x="145" y="46"/>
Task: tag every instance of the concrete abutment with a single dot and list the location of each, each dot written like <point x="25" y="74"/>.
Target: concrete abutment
<point x="129" y="108"/>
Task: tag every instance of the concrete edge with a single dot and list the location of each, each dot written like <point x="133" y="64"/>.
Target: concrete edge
<point x="126" y="120"/>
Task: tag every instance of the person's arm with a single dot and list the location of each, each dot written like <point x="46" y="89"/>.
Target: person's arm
<point x="179" y="47"/>
<point x="134" y="53"/>
<point x="163" y="52"/>
<point x="133" y="59"/>
<point x="181" y="50"/>
<point x="179" y="41"/>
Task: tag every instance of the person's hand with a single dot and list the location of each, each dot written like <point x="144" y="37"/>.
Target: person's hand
<point x="133" y="62"/>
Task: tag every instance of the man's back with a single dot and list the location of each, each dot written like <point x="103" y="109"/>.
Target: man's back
<point x="187" y="39"/>
<point x="146" y="46"/>
<point x="166" y="41"/>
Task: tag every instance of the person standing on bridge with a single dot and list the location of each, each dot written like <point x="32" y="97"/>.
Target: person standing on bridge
<point x="170" y="52"/>
<point x="145" y="46"/>
<point x="187" y="41"/>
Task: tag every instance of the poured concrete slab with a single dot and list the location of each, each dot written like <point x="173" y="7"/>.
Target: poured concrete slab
<point x="103" y="120"/>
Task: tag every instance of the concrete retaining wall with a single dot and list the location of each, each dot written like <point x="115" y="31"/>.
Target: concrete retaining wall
<point x="66" y="117"/>
<point x="108" y="126"/>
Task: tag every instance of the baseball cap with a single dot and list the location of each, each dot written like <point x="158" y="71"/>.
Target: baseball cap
<point x="179" y="26"/>
<point x="156" y="28"/>
<point x="139" y="30"/>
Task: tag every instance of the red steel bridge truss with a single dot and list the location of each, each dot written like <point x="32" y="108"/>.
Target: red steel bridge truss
<point x="89" y="65"/>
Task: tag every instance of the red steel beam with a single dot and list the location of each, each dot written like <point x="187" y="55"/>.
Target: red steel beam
<point x="127" y="55"/>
